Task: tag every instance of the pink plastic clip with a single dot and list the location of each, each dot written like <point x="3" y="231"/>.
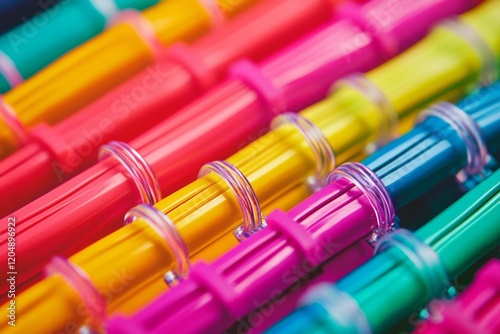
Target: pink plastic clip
<point x="253" y="77"/>
<point x="182" y="55"/>
<point x="296" y="233"/>
<point x="387" y="43"/>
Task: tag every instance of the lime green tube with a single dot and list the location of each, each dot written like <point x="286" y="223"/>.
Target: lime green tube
<point x="39" y="41"/>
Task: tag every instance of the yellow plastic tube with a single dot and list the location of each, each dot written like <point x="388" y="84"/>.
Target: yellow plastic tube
<point x="127" y="266"/>
<point x="102" y="63"/>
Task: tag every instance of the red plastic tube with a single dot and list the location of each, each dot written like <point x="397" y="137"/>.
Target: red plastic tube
<point x="55" y="154"/>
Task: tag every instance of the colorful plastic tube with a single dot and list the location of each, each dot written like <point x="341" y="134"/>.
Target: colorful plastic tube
<point x="476" y="310"/>
<point x="31" y="46"/>
<point x="278" y="166"/>
<point x="135" y="41"/>
<point x="109" y="182"/>
<point x="484" y="107"/>
<point x="408" y="270"/>
<point x="251" y="273"/>
<point x="55" y="154"/>
<point x="13" y="12"/>
<point x="269" y="262"/>
<point x="85" y="132"/>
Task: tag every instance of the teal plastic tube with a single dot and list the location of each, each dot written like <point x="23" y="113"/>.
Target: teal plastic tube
<point x="389" y="287"/>
<point x="39" y="41"/>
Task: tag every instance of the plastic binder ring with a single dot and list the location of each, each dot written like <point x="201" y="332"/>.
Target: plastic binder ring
<point x="165" y="228"/>
<point x="142" y="26"/>
<point x="423" y="257"/>
<point x="322" y="151"/>
<point x="81" y="283"/>
<point x="387" y="112"/>
<point x="469" y="131"/>
<point x="344" y="312"/>
<point x="489" y="71"/>
<point x="373" y="188"/>
<point x="9" y="70"/>
<point x="8" y="115"/>
<point x="215" y="12"/>
<point x="107" y="8"/>
<point x="253" y="220"/>
<point x="137" y="167"/>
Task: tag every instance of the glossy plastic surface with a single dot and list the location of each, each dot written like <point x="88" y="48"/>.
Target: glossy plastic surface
<point x="276" y="165"/>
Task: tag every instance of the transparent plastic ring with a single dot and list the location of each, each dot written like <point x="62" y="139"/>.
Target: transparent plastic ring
<point x="253" y="220"/>
<point x="143" y="27"/>
<point x="107" y="8"/>
<point x="423" y="257"/>
<point x="321" y="148"/>
<point x="166" y="229"/>
<point x="214" y="10"/>
<point x="81" y="283"/>
<point x="489" y="71"/>
<point x="9" y="70"/>
<point x="469" y="131"/>
<point x="137" y="167"/>
<point x="10" y="118"/>
<point x="345" y="314"/>
<point x="388" y="114"/>
<point x="374" y="189"/>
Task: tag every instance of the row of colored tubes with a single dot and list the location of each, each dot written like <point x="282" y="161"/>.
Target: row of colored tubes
<point x="246" y="166"/>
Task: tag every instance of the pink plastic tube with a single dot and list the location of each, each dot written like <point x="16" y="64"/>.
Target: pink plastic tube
<point x="54" y="154"/>
<point x="352" y="209"/>
<point x="93" y="204"/>
<point x="476" y="310"/>
<point x="272" y="311"/>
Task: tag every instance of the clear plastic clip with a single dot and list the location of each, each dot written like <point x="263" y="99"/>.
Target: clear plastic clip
<point x="321" y="148"/>
<point x="424" y="258"/>
<point x="9" y="70"/>
<point x="107" y="8"/>
<point x="8" y="115"/>
<point x="373" y="188"/>
<point x="143" y="27"/>
<point x="140" y="171"/>
<point x="215" y="12"/>
<point x="388" y="114"/>
<point x="165" y="228"/>
<point x="489" y="69"/>
<point x="81" y="283"/>
<point x="478" y="157"/>
<point x="253" y="220"/>
<point x="345" y="314"/>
